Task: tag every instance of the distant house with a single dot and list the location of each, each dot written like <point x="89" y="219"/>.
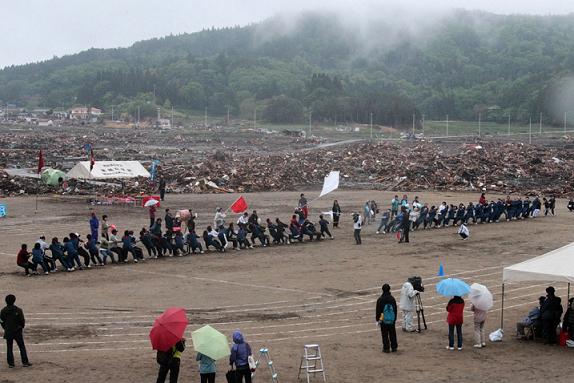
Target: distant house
<point x="83" y="113"/>
<point x="79" y="113"/>
<point x="163" y="123"/>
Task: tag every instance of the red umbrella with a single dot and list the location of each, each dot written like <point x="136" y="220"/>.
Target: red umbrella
<point x="168" y="329"/>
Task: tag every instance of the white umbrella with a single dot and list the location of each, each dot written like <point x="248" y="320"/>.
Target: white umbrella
<point x="480" y="297"/>
<point x="151" y="202"/>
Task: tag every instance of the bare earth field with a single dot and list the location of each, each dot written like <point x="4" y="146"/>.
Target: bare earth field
<point x="92" y="326"/>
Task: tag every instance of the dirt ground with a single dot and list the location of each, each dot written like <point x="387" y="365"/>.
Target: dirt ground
<point x="93" y="325"/>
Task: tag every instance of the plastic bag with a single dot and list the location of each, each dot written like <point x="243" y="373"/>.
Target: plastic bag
<point x="570" y="343"/>
<point x="496" y="336"/>
<point x="252" y="364"/>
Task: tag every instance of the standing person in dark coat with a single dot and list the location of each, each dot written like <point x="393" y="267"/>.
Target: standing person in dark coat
<point x="239" y="357"/>
<point x="405" y="226"/>
<point x="386" y="317"/>
<point x="336" y="209"/>
<point x="550" y="314"/>
<point x="162" y="186"/>
<point x="552" y="203"/>
<point x="324" y="224"/>
<point x="94" y="226"/>
<point x="13" y="322"/>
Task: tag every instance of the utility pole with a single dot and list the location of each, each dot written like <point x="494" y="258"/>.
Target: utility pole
<point x="255" y="118"/>
<point x="479" y="117"/>
<point x="172" y="116"/>
<point x="565" y="114"/>
<point x="205" y="118"/>
<point x="310" y="123"/>
<point x="540" y="124"/>
<point x="414" y="116"/>
<point x="423" y="125"/>
<point x="228" y="116"/>
<point x="530" y="135"/>
<point x="371" y="126"/>
<point x="158" y="113"/>
<point x="112" y="113"/>
<point x="509" y="124"/>
<point x="138" y="124"/>
<point x="447" y="125"/>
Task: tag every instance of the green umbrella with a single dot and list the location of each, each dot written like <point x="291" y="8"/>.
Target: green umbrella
<point x="52" y="176"/>
<point x="210" y="342"/>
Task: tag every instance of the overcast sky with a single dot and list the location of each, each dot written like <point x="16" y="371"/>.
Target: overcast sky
<point x="32" y="30"/>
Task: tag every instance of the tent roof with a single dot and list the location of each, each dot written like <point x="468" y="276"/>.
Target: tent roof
<point x="108" y="170"/>
<point x="555" y="266"/>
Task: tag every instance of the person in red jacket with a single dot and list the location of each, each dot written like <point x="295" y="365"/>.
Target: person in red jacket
<point x="454" y="319"/>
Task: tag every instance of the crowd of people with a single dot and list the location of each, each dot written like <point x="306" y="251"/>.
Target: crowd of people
<point x="177" y="235"/>
<point x="545" y="320"/>
<point x="167" y="237"/>
<point x="403" y="216"/>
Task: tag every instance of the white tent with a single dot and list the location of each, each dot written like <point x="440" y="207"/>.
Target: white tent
<point x="108" y="170"/>
<point x="555" y="266"/>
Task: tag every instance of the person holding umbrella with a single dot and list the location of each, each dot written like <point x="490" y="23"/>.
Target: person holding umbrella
<point x="151" y="205"/>
<point x="481" y="301"/>
<point x="210" y="345"/>
<point x="166" y="337"/>
<point x="169" y="362"/>
<point x="207" y="368"/>
<point x="455" y="288"/>
<point x="455" y="308"/>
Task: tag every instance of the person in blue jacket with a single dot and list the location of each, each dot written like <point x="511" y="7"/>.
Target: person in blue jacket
<point x="207" y="368"/>
<point x="38" y="258"/>
<point x="94" y="226"/>
<point x="240" y="352"/>
<point x="72" y="253"/>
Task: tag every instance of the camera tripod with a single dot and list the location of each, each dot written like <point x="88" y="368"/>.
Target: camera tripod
<point x="420" y="313"/>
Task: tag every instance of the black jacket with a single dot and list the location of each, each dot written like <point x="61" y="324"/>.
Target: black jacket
<point x="12" y="320"/>
<point x="384" y="299"/>
<point x="551" y="309"/>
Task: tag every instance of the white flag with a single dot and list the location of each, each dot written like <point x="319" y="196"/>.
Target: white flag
<point x="331" y="183"/>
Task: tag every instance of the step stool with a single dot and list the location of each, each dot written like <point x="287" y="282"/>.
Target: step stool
<point x="264" y="354"/>
<point x="312" y="362"/>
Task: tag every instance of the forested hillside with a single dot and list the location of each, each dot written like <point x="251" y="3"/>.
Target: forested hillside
<point x="463" y="64"/>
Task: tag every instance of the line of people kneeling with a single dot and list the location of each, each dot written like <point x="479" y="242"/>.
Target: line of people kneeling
<point x="158" y="244"/>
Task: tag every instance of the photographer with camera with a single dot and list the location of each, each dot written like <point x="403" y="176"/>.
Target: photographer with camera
<point x="408" y="305"/>
<point x="411" y="302"/>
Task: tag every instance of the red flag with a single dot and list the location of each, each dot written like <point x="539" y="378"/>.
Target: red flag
<point x="239" y="206"/>
<point x="40" y="161"/>
<point x="92" y="159"/>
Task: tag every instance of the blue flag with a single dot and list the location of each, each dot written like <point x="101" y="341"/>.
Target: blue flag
<point x="153" y="170"/>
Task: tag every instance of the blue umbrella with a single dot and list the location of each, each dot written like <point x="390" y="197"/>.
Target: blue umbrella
<point x="452" y="287"/>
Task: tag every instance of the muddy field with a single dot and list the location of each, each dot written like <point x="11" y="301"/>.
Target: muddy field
<point x="93" y="325"/>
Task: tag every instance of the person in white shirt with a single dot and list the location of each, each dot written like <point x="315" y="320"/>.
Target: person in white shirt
<point x="43" y="244"/>
<point x="463" y="231"/>
<point x="244" y="219"/>
<point x="408" y="306"/>
<point x="357" y="223"/>
<point x="219" y="219"/>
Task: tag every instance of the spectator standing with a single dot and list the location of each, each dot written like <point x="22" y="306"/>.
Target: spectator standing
<point x="455" y="308"/>
<point x="386" y="317"/>
<point x="13" y="322"/>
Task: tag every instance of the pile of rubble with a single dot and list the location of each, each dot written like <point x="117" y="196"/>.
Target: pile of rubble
<point x="411" y="165"/>
<point x="506" y="168"/>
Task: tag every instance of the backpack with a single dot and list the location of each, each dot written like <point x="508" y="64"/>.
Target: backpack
<point x="388" y="314"/>
<point x="163" y="358"/>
